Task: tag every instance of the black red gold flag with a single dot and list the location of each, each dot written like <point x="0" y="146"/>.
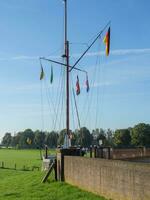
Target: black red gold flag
<point x="106" y="40"/>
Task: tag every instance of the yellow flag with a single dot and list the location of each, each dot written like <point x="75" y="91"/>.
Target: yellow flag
<point x="29" y="141"/>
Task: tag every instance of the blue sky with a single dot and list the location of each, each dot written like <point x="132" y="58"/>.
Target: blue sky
<point x="119" y="84"/>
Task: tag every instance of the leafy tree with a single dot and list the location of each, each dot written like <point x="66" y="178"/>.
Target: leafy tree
<point x="74" y="138"/>
<point x="85" y="138"/>
<point x="122" y="137"/>
<point x="102" y="137"/>
<point x="140" y="134"/>
<point x="95" y="133"/>
<point x="51" y="139"/>
<point x="39" y="139"/>
<point x="15" y="141"/>
<point x="109" y="137"/>
<point x="28" y="134"/>
<point x="61" y="137"/>
<point x="7" y="139"/>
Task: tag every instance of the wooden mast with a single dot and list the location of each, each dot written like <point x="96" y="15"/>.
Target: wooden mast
<point x="67" y="65"/>
<point x="66" y="44"/>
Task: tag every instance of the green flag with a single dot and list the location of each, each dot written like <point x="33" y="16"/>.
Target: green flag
<point x="51" y="78"/>
<point x="42" y="73"/>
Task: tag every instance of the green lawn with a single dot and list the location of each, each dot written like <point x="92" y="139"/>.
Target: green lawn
<point x="20" y="158"/>
<point x="26" y="185"/>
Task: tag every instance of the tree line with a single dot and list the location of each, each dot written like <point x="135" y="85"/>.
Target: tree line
<point x="139" y="135"/>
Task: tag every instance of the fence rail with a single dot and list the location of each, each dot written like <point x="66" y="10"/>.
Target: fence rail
<point x="15" y="166"/>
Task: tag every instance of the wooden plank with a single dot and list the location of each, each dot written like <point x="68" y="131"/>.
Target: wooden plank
<point x="48" y="173"/>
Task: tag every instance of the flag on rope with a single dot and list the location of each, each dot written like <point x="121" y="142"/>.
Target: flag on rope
<point x="106" y="40"/>
<point x="51" y="78"/>
<point x="42" y="73"/>
<point x="87" y="84"/>
<point x="77" y="86"/>
<point x="29" y="141"/>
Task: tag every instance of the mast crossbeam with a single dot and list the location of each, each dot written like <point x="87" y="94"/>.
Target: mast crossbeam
<point x="59" y="63"/>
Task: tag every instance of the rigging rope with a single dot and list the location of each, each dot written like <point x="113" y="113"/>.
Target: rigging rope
<point x="88" y="100"/>
<point x="61" y="100"/>
<point x="97" y="105"/>
<point x="42" y="110"/>
<point x="75" y="104"/>
<point x="72" y="105"/>
<point x="60" y="104"/>
<point x="51" y="98"/>
<point x="79" y="124"/>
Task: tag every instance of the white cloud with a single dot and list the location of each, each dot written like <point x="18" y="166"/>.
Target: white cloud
<point x="24" y="58"/>
<point x="121" y="52"/>
<point x="18" y="88"/>
<point x="106" y="83"/>
<point x="117" y="52"/>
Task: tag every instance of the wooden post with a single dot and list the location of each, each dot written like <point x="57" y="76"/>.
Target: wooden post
<point x="91" y="151"/>
<point x="46" y="151"/>
<point x="112" y="153"/>
<point x="2" y="164"/>
<point x="48" y="172"/>
<point x="108" y="152"/>
<point x="55" y="169"/>
<point x="60" y="168"/>
<point x="144" y="151"/>
<point x="101" y="150"/>
<point x="95" y="151"/>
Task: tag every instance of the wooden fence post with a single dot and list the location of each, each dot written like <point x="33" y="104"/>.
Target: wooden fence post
<point x="101" y="150"/>
<point x="108" y="152"/>
<point x="91" y="151"/>
<point x="95" y="151"/>
<point x="46" y="151"/>
<point x="55" y="169"/>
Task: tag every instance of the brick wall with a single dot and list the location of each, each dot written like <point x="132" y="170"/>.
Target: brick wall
<point x="147" y="152"/>
<point x="130" y="153"/>
<point x="118" y="180"/>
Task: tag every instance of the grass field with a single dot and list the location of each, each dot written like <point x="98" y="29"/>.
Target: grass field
<point x="26" y="185"/>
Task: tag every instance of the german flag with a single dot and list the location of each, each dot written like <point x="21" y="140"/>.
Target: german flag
<point x="106" y="40"/>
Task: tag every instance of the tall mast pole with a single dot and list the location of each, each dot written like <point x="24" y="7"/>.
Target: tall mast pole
<point x="67" y="70"/>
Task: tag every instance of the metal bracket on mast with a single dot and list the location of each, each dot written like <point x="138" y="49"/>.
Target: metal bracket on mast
<point x="60" y="63"/>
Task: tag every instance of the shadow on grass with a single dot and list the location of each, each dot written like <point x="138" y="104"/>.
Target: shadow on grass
<point x="15" y="194"/>
<point x="27" y="169"/>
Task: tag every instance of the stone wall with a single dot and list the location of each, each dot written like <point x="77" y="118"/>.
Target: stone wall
<point x="117" y="180"/>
